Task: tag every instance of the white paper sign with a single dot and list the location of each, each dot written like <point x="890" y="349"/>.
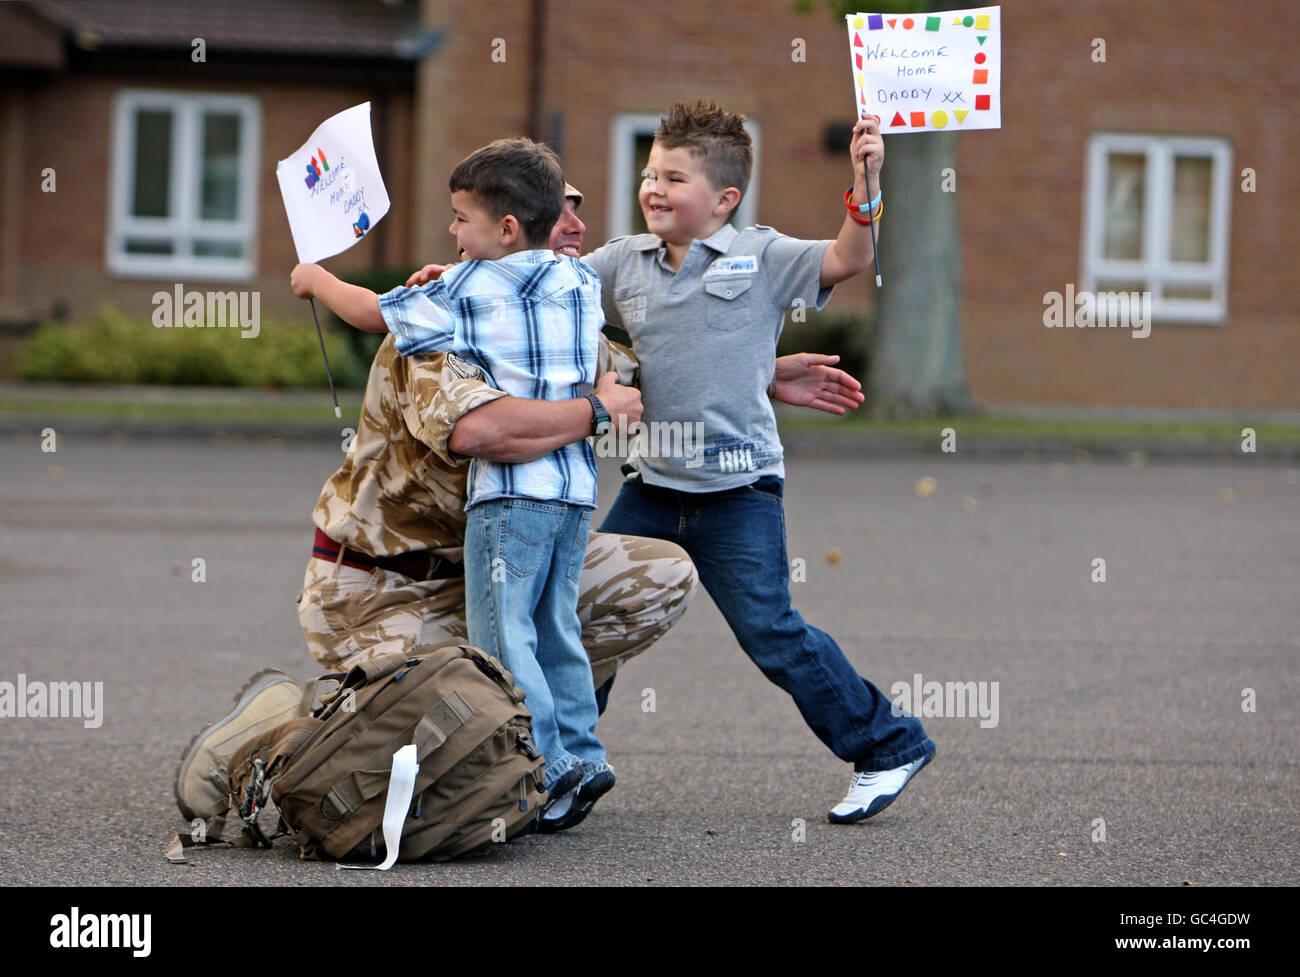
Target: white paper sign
<point x="928" y="72"/>
<point x="401" y="788"/>
<point x="331" y="186"/>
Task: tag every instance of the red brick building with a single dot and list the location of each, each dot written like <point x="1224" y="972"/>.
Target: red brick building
<point x="1132" y="172"/>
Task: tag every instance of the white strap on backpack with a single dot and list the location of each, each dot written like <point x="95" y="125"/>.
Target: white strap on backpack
<point x="401" y="788"/>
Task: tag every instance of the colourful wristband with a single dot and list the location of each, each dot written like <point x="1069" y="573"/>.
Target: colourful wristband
<point x="854" y="213"/>
<point x="860" y="208"/>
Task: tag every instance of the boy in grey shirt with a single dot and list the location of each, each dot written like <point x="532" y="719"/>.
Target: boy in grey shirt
<point x="704" y="305"/>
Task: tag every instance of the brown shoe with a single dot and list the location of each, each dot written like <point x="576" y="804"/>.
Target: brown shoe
<point x="268" y="699"/>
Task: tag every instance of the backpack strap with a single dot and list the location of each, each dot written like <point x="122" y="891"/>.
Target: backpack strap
<point x="358" y="677"/>
<point x="434" y="728"/>
<point x="494" y="670"/>
<point x="308" y="705"/>
<point x="373" y="669"/>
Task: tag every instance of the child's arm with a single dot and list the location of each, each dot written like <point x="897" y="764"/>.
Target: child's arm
<point x="853" y="251"/>
<point x="353" y="304"/>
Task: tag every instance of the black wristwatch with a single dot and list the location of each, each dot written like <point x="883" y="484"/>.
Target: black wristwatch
<point x="600" y="418"/>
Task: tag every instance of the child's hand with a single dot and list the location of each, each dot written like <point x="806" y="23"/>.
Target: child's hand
<point x="302" y="280"/>
<point x="867" y="152"/>
<point x="426" y="274"/>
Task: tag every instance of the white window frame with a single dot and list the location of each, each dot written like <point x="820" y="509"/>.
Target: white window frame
<point x="1155" y="269"/>
<point x="622" y="181"/>
<point x="184" y="225"/>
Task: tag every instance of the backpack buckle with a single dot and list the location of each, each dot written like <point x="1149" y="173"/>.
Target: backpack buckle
<point x="526" y="744"/>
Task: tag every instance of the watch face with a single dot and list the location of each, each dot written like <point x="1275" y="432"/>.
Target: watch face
<point x="602" y="427"/>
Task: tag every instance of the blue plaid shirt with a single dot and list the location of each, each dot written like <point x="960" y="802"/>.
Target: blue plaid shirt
<point x="531" y="321"/>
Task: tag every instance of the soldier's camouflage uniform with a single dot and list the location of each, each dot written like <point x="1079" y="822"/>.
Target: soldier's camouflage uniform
<point x="401" y="490"/>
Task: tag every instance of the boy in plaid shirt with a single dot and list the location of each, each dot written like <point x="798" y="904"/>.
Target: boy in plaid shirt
<point x="530" y="319"/>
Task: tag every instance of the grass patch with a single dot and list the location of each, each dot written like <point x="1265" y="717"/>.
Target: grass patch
<point x="1015" y="426"/>
<point x="311" y="410"/>
<point x="298" y="411"/>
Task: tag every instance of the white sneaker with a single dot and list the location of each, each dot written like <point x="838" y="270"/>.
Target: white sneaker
<point x="871" y="791"/>
<point x="560" y="797"/>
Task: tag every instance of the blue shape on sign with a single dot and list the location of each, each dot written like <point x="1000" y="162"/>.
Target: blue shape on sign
<point x="875" y="22"/>
<point x="362" y="225"/>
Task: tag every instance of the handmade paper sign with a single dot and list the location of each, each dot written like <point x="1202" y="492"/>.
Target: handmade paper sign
<point x="928" y="72"/>
<point x="331" y="186"/>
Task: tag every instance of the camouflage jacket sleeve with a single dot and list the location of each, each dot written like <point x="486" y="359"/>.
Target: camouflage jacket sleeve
<point x="617" y="357"/>
<point x="444" y="388"/>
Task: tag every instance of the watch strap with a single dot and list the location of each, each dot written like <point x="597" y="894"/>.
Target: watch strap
<point x="599" y="414"/>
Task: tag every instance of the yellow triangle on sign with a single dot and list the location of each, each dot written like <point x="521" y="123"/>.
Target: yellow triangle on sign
<point x="956" y="22"/>
<point x="961" y="115"/>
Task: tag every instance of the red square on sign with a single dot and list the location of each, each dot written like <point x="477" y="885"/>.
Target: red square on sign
<point x="981" y="76"/>
<point x="918" y="119"/>
<point x="983" y="102"/>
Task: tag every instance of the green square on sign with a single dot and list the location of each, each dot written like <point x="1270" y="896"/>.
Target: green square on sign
<point x="932" y="23"/>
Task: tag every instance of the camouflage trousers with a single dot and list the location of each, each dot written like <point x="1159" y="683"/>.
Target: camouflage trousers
<point x="632" y="590"/>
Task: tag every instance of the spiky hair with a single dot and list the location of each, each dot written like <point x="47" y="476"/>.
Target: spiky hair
<point x="715" y="137"/>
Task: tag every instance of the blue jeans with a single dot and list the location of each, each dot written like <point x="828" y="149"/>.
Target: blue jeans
<point x="523" y="558"/>
<point x="737" y="540"/>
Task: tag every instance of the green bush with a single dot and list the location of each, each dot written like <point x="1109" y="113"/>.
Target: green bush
<point x="845" y="333"/>
<point x="112" y="348"/>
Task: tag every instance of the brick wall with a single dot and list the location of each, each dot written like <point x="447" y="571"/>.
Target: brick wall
<point x="69" y="128"/>
<point x="1193" y="68"/>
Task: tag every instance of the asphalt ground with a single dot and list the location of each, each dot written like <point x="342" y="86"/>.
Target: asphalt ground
<point x="1119" y="700"/>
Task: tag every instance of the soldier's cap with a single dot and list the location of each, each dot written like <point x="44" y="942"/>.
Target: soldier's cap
<point x="571" y="191"/>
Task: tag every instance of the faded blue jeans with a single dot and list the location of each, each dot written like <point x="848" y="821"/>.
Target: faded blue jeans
<point x="523" y="558"/>
<point x="736" y="539"/>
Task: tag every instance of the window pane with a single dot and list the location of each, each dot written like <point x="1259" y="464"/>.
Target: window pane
<point x="219" y="192"/>
<point x="1125" y="187"/>
<point x="1200" y="292"/>
<point x="1190" y="230"/>
<point x="153" y="163"/>
<point x="643" y="143"/>
<point x="218" y="249"/>
<point x="1119" y="285"/>
<point x="149" y="245"/>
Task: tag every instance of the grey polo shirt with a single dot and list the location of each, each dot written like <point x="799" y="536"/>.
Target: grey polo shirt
<point x="705" y="337"/>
